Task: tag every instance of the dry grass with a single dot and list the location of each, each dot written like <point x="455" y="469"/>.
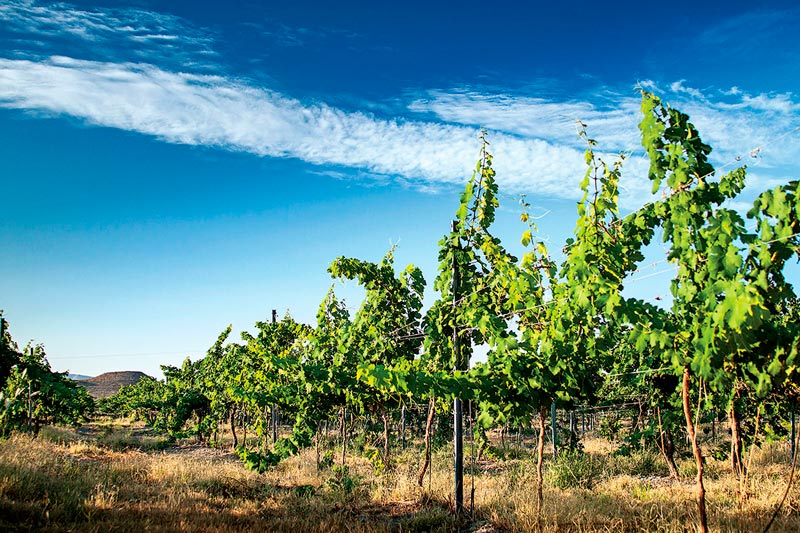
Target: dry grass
<point x="112" y="477"/>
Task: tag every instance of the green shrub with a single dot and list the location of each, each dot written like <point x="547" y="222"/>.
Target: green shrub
<point x="341" y="480"/>
<point x="256" y="461"/>
<point x="720" y="452"/>
<point x="327" y="460"/>
<point x="358" y="442"/>
<point x="304" y="491"/>
<point x="610" y="427"/>
<point x="639" y="463"/>
<point x="494" y="452"/>
<point x="375" y="457"/>
<point x="576" y="469"/>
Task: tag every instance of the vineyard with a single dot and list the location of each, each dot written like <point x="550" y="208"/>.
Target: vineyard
<point x="593" y="411"/>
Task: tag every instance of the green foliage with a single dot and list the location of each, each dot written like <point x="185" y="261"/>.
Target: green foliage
<point x="378" y="334"/>
<point x="142" y="400"/>
<point x="376" y="459"/>
<point x="610" y="427"/>
<point x="304" y="491"/>
<point x="31" y="394"/>
<point x="575" y="469"/>
<point x="341" y="481"/>
<point x="469" y="310"/>
<point x="327" y="460"/>
<point x="637" y="463"/>
<point x="725" y="324"/>
<point x="257" y="461"/>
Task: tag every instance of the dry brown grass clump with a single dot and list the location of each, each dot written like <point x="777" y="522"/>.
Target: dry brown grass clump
<point x="74" y="484"/>
<point x="115" y="477"/>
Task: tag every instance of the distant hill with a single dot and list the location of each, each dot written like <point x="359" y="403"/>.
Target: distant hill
<point x="105" y="385"/>
<point x="77" y="377"/>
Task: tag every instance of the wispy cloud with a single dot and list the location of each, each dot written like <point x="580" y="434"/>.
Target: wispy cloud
<point x="537" y="117"/>
<point x="732" y="121"/>
<point x="107" y="33"/>
<point x="432" y="142"/>
<point x="216" y="111"/>
<point x="678" y="87"/>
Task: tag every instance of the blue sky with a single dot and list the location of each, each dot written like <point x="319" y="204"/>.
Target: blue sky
<point x="168" y="168"/>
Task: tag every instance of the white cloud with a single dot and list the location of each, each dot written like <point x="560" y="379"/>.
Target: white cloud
<point x="216" y="111"/>
<point x="779" y="103"/>
<point x="734" y="125"/>
<point x="742" y="123"/>
<point x="679" y="87"/>
<point x="534" y="142"/>
<point x="111" y="33"/>
<point x="537" y="117"/>
<point x="98" y="24"/>
<point x="534" y="139"/>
